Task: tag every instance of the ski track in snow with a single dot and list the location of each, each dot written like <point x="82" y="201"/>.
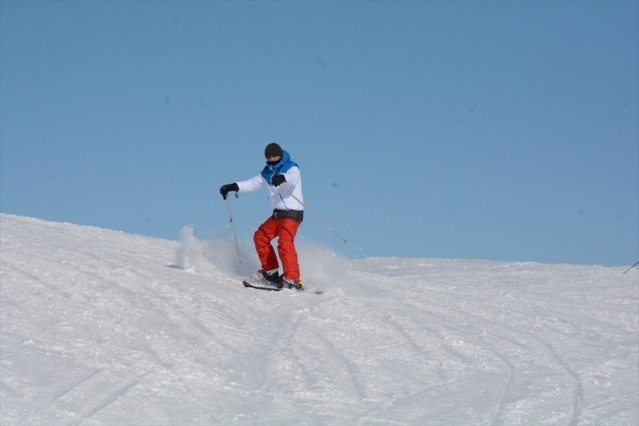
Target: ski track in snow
<point x="102" y="327"/>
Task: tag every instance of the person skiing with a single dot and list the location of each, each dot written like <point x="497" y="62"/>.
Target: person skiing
<point x="288" y="213"/>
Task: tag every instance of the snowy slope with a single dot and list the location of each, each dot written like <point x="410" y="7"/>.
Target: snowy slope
<point x="101" y="327"/>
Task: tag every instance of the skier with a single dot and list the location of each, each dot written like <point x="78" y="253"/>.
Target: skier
<point x="288" y="213"/>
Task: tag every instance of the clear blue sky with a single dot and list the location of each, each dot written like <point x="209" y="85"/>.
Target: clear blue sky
<point x="475" y="129"/>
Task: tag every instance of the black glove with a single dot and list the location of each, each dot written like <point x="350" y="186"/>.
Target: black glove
<point x="277" y="180"/>
<point x="225" y="189"/>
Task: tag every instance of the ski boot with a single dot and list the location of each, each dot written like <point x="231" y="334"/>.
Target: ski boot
<point x="289" y="283"/>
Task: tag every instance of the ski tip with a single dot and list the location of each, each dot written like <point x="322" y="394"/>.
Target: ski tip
<point x="309" y="291"/>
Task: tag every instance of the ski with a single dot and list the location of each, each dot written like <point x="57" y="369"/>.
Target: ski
<point x="273" y="288"/>
<point x="247" y="284"/>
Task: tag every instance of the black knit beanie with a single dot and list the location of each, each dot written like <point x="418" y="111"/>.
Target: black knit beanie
<point x="273" y="150"/>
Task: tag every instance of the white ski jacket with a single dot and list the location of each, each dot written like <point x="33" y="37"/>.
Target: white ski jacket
<point x="279" y="198"/>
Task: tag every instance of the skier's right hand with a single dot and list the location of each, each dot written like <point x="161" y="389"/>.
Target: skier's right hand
<point x="225" y="189"/>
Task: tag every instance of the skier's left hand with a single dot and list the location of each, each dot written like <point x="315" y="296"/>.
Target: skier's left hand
<point x="277" y="180"/>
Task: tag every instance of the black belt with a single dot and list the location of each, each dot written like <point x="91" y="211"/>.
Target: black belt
<point x="297" y="215"/>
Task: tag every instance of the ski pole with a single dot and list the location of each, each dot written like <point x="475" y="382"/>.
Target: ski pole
<point x="237" y="246"/>
<point x="631" y="267"/>
<point x="311" y="212"/>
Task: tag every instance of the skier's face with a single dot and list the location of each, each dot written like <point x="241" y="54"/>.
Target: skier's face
<point x="273" y="159"/>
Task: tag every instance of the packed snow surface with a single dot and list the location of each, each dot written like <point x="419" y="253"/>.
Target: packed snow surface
<point x="102" y="327"/>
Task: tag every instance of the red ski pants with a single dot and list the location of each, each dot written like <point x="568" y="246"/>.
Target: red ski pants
<point x="285" y="230"/>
